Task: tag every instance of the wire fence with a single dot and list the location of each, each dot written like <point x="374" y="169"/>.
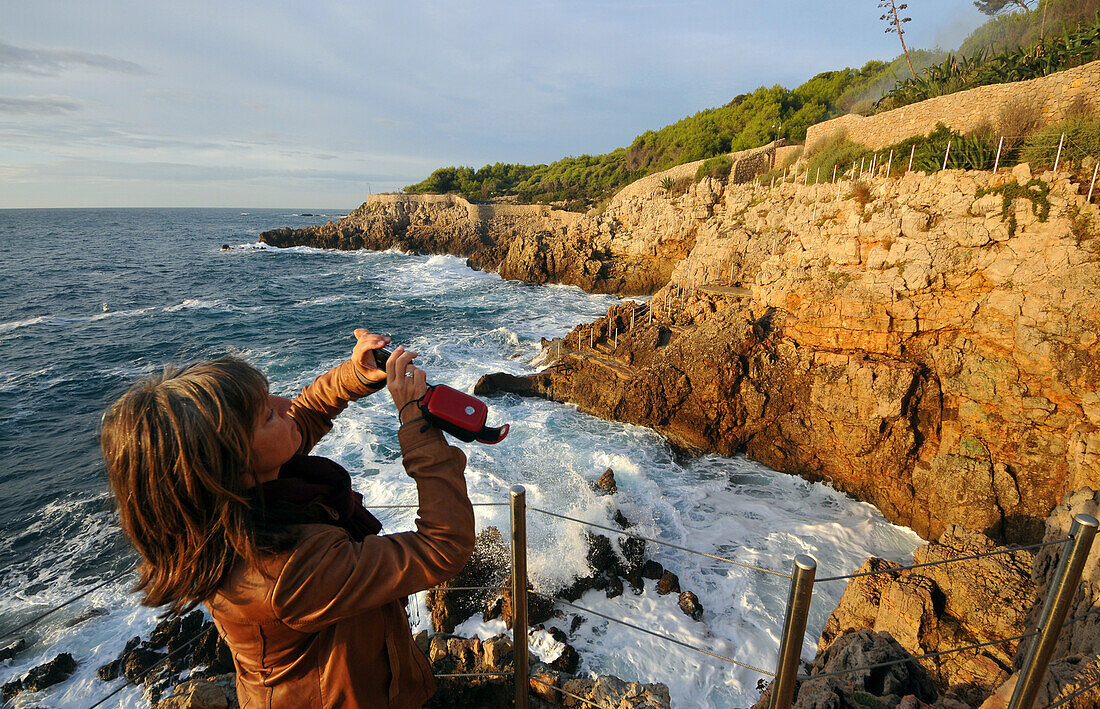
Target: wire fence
<point x="1076" y="547"/>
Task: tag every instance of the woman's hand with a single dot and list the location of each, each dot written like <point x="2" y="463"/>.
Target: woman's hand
<point x="406" y="382"/>
<point x="363" y="355"/>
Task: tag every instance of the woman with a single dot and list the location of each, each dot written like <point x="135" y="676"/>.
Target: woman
<point x="216" y="491"/>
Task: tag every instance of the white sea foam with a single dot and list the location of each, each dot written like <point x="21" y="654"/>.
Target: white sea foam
<point x="729" y="507"/>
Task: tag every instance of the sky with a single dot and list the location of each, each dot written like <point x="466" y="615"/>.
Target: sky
<point x="317" y="104"/>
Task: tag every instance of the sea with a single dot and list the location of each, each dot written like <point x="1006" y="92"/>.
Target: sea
<point x="93" y="299"/>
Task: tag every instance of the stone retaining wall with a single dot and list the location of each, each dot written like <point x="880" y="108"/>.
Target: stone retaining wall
<point x="966" y="110"/>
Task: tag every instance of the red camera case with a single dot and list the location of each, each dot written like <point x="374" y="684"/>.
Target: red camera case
<point x="460" y="415"/>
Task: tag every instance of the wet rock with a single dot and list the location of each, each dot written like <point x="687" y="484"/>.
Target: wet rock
<point x="12" y="649"/>
<point x="601" y="557"/>
<point x="10" y="689"/>
<point x="652" y="570"/>
<point x="576" y="623"/>
<point x="53" y="672"/>
<point x="690" y="605"/>
<point x="138" y="662"/>
<point x="499" y="383"/>
<point x="669" y="583"/>
<point x="539" y="608"/>
<point x="606" y="483"/>
<point x="454" y="655"/>
<point x="634" y="552"/>
<point x="85" y="616"/>
<point x="568" y="661"/>
<point x="486" y="567"/>
<point x="621" y="520"/>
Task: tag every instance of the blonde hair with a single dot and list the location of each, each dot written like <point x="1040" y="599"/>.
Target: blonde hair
<point x="178" y="450"/>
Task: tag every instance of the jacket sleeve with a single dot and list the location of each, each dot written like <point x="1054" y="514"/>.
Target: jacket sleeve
<point x="323" y="400"/>
<point x="328" y="577"/>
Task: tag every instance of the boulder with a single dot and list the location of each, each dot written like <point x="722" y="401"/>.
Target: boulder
<point x="944" y="607"/>
<point x="486" y="567"/>
<point x="690" y="605"/>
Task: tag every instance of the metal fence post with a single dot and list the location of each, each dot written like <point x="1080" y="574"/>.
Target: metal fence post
<point x="519" y="592"/>
<point x="1062" y="590"/>
<point x="794" y="631"/>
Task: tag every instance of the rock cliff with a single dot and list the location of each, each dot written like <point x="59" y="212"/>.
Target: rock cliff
<point x="928" y="344"/>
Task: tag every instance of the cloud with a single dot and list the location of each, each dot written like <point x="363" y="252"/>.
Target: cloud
<point x="36" y="106"/>
<point x="51" y="62"/>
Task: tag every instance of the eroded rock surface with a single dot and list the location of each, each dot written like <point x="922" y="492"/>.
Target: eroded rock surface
<point x="901" y="342"/>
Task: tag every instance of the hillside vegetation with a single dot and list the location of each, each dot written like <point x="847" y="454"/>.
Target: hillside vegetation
<point x="755" y="118"/>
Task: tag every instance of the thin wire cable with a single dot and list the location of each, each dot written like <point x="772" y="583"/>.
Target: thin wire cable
<point x="478" y="674"/>
<point x="93" y="589"/>
<point x="806" y="678"/>
<point x="149" y="671"/>
<point x="1076" y="694"/>
<point x="1082" y="616"/>
<point x="587" y="702"/>
<point x="945" y="561"/>
<point x="465" y="588"/>
<point x="667" y="544"/>
<point x="656" y="635"/>
<point x="413" y="507"/>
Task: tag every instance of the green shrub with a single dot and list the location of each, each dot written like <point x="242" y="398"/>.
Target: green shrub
<point x="983" y="67"/>
<point x="836" y="151"/>
<point x="716" y="167"/>
<point x="1082" y="140"/>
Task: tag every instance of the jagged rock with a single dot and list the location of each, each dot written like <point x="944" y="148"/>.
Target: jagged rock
<point x="944" y="607"/>
<point x="634" y="552"/>
<point x="10" y="689"/>
<point x="886" y="687"/>
<point x="606" y="484"/>
<point x="690" y="605"/>
<point x="568" y="661"/>
<point x="217" y="693"/>
<point x="12" y="649"/>
<point x="454" y="655"/>
<point x="669" y="583"/>
<point x="1083" y="636"/>
<point x="544" y="683"/>
<point x="499" y="382"/>
<point x="1064" y="677"/>
<point x="138" y="662"/>
<point x="601" y="557"/>
<point x="539" y="608"/>
<point x="486" y="567"/>
<point x="212" y="653"/>
<point x="652" y="570"/>
<point x="621" y="520"/>
<point x="45" y="675"/>
<point x="948" y="367"/>
<point x="610" y="691"/>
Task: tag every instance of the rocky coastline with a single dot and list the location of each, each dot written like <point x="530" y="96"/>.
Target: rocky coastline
<point x="927" y="344"/>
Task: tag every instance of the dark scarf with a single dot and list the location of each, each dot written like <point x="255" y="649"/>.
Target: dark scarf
<point x="314" y="490"/>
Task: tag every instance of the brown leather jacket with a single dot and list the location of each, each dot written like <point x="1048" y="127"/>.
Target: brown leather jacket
<point x="327" y="626"/>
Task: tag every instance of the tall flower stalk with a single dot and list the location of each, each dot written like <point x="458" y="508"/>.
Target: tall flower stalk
<point x="894" y="21"/>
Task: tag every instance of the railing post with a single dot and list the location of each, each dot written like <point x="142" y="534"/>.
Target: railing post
<point x="794" y="631"/>
<point x="519" y="592"/>
<point x="1063" y="588"/>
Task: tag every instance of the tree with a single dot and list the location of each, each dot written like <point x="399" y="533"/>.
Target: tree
<point x="894" y="21"/>
<point x="995" y="7"/>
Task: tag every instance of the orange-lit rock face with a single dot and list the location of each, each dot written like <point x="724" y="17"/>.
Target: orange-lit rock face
<point x="907" y="347"/>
